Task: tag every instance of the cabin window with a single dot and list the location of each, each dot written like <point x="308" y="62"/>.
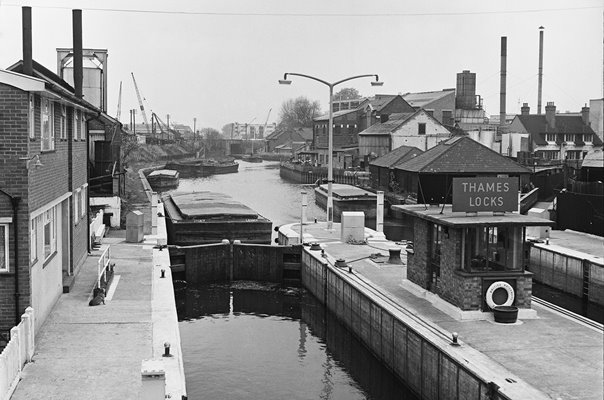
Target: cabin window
<point x="48" y="132"/>
<point x="4" y="260"/>
<point x="421" y="128"/>
<point x="491" y="248"/>
<point x="435" y="248"/>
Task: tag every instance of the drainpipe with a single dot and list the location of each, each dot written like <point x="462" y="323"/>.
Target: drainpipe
<point x="15" y="203"/>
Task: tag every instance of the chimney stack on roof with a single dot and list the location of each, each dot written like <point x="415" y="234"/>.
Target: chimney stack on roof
<point x="28" y="68"/>
<point x="585" y="115"/>
<point x="525" y="109"/>
<point x="550" y="114"/>
<point x="78" y="68"/>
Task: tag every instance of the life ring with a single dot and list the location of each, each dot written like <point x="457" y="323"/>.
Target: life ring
<point x="499" y="285"/>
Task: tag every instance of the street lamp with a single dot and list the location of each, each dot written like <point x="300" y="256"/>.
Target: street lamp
<point x="285" y="81"/>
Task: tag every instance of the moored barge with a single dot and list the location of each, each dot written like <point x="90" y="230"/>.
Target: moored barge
<point x="163" y="179"/>
<point x="209" y="217"/>
<point x="196" y="168"/>
<point x="347" y="198"/>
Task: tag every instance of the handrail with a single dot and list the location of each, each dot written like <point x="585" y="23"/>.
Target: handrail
<point x="102" y="265"/>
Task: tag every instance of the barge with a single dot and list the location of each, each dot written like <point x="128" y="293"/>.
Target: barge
<point x="209" y="217"/>
<point x="196" y="168"/>
<point x="347" y="198"/>
<point x="163" y="179"/>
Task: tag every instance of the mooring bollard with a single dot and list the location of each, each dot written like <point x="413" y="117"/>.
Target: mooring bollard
<point x="167" y="350"/>
<point x="395" y="256"/>
<point x="454" y="341"/>
<point x="163" y="273"/>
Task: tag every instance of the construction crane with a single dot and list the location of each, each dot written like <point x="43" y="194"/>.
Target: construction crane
<point x="140" y="103"/>
<point x="266" y="122"/>
<point x="119" y="104"/>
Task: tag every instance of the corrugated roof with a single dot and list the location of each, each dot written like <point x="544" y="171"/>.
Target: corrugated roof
<point x="593" y="159"/>
<point x="335" y="114"/>
<point x="422" y="98"/>
<point x="383" y="128"/>
<point x="461" y="155"/>
<point x="396" y="156"/>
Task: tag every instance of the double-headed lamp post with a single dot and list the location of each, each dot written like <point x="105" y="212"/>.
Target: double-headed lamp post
<point x="285" y="81"/>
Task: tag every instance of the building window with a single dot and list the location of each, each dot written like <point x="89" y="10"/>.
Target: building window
<point x="76" y="124"/>
<point x="63" y="123"/>
<point x="82" y="126"/>
<point x="4" y="260"/>
<point x="569" y="137"/>
<point x="50" y="233"/>
<point x="550" y="137"/>
<point x="83" y="202"/>
<point x="587" y="138"/>
<point x="76" y="205"/>
<point x="33" y="241"/>
<point x="32" y="117"/>
<point x="48" y="131"/>
<point x="421" y="128"/>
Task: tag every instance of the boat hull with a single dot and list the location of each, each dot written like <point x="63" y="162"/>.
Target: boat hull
<point x="184" y="230"/>
<point x="365" y="203"/>
<point x="197" y="168"/>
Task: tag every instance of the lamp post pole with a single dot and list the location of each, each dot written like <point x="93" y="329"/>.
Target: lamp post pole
<point x="285" y="81"/>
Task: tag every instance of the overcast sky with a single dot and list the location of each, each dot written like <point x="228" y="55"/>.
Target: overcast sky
<point x="219" y="61"/>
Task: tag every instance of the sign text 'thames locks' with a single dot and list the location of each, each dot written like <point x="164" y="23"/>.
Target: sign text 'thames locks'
<point x="485" y="194"/>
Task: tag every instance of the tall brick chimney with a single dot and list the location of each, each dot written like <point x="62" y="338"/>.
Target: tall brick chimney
<point x="28" y="68"/>
<point x="585" y="115"/>
<point x="78" y="69"/>
<point x="525" y="109"/>
<point x="550" y="114"/>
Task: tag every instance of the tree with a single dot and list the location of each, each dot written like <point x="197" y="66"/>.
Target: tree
<point x="227" y="130"/>
<point x="211" y="137"/>
<point x="299" y="112"/>
<point x="347" y="94"/>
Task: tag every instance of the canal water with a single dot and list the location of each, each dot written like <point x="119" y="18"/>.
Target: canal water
<point x="259" y="341"/>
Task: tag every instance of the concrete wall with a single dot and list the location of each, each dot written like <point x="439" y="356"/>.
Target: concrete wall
<point x="418" y="356"/>
<point x="566" y="272"/>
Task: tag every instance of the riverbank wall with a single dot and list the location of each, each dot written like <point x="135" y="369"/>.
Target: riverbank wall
<point x="423" y="359"/>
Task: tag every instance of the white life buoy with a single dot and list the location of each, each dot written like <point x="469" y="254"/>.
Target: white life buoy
<point x="499" y="285"/>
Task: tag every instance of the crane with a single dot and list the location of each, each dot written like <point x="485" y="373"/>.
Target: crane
<point x="266" y="122"/>
<point x="140" y="102"/>
<point x="119" y="104"/>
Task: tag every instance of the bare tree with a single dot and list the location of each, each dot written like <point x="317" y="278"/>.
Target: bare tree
<point x="299" y="112"/>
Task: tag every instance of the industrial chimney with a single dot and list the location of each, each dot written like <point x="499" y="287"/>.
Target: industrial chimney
<point x="28" y="68"/>
<point x="78" y="69"/>
<point x="540" y="88"/>
<point x="504" y="52"/>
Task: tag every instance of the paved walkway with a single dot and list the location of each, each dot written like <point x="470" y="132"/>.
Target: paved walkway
<point x="85" y="352"/>
<point x="557" y="355"/>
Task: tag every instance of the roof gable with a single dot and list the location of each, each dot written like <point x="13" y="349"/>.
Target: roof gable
<point x="461" y="155"/>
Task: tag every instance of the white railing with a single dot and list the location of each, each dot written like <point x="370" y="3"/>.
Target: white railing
<point x="18" y="352"/>
<point x="101" y="267"/>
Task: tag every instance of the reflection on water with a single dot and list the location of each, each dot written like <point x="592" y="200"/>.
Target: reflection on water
<point x="259" y="186"/>
<point x="255" y="341"/>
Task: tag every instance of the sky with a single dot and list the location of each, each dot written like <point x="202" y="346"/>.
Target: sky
<point x="220" y="61"/>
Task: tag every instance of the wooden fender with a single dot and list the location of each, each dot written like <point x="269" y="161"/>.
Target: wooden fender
<point x="497" y="285"/>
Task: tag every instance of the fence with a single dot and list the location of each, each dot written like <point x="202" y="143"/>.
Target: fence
<point x="18" y="352"/>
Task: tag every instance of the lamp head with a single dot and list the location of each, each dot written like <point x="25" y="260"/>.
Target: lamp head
<point x="285" y="82"/>
<point x="377" y="82"/>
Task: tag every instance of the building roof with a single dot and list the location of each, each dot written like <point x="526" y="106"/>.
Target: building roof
<point x="396" y="156"/>
<point x="420" y="99"/>
<point x="335" y="114"/>
<point x="385" y="128"/>
<point x="593" y="159"/>
<point x="461" y="154"/>
<point x="536" y="124"/>
<point x="443" y="215"/>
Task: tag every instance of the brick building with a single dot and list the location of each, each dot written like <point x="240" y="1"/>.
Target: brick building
<point x="43" y="169"/>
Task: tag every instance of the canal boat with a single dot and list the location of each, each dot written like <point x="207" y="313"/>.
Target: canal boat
<point x="163" y="179"/>
<point x="347" y="198"/>
<point x="208" y="217"/>
<point x="203" y="167"/>
<point x="251" y="158"/>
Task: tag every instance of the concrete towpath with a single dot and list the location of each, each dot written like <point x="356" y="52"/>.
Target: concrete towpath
<point x="560" y="356"/>
<point x="85" y="352"/>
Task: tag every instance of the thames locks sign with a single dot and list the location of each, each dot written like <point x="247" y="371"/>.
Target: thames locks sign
<point x="485" y="194"/>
